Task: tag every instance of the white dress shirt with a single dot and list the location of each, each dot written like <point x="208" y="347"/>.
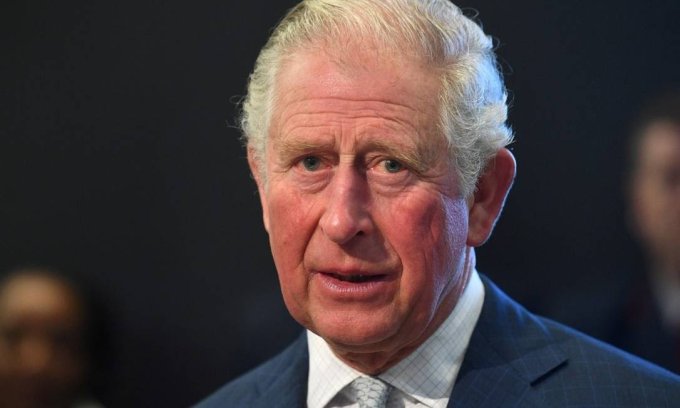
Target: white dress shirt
<point x="424" y="378"/>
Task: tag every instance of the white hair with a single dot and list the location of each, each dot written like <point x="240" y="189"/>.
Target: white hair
<point x="473" y="97"/>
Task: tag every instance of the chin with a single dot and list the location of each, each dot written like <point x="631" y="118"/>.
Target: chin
<point x="353" y="335"/>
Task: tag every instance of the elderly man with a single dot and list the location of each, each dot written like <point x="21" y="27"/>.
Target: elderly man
<point x="375" y="132"/>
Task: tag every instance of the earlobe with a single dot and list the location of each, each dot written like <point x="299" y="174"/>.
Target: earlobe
<point x="255" y="169"/>
<point x="488" y="199"/>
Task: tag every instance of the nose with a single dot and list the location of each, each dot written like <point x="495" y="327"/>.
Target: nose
<point x="347" y="214"/>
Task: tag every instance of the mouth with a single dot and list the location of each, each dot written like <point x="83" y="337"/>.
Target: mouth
<point x="356" y="278"/>
<point x="353" y="285"/>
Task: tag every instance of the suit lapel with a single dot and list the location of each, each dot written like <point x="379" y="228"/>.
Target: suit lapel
<point x="509" y="351"/>
<point x="289" y="388"/>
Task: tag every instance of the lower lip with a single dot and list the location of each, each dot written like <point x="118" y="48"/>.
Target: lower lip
<point x="344" y="290"/>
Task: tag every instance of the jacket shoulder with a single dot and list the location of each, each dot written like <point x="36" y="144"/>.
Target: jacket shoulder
<point x="597" y="369"/>
<point x="531" y="361"/>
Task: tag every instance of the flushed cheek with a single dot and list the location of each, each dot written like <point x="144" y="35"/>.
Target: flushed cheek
<point x="292" y="219"/>
<point x="291" y="227"/>
<point x="435" y="242"/>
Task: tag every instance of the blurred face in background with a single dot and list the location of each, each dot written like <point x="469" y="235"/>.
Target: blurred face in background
<point x="42" y="361"/>
<point x="656" y="193"/>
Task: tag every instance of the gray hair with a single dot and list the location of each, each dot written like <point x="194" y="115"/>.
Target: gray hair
<point x="473" y="98"/>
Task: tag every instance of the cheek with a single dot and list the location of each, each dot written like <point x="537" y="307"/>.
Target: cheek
<point x="431" y="236"/>
<point x="456" y="223"/>
<point x="291" y="224"/>
<point x="289" y="232"/>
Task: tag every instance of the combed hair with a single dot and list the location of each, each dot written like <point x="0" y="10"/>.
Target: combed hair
<point x="473" y="98"/>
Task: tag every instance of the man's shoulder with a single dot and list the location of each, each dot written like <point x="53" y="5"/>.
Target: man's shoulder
<point x="584" y="350"/>
<point x="279" y="376"/>
<point x="554" y="365"/>
<point x="596" y="371"/>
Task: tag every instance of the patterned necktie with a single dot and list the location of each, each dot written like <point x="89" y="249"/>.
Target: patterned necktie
<point x="370" y="392"/>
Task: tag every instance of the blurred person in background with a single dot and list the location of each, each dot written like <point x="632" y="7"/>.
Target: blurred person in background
<point x="650" y="323"/>
<point x="47" y="341"/>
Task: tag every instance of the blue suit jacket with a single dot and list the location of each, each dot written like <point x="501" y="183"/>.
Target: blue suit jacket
<point x="515" y="359"/>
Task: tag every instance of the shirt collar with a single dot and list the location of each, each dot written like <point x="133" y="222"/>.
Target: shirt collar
<point x="427" y="374"/>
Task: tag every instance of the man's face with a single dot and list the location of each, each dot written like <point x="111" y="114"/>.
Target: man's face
<point x="656" y="189"/>
<point x="42" y="360"/>
<point x="366" y="226"/>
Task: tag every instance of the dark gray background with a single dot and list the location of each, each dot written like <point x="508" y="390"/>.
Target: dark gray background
<point x="118" y="161"/>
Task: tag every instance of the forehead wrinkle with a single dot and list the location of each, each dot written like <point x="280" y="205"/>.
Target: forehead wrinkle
<point x="326" y="117"/>
<point x="340" y="104"/>
<point x="381" y="136"/>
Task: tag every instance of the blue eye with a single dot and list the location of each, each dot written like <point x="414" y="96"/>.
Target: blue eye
<point x="393" y="166"/>
<point x="311" y="163"/>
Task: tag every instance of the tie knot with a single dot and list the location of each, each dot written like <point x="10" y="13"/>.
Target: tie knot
<point x="370" y="392"/>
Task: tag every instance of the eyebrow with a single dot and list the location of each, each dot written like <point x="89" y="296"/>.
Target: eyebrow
<point x="296" y="148"/>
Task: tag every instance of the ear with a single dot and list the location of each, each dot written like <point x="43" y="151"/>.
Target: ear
<point x="487" y="201"/>
<point x="255" y="168"/>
